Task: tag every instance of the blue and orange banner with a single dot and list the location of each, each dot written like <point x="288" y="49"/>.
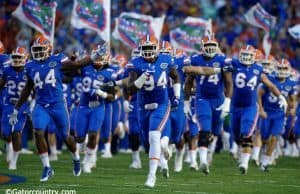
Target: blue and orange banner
<point x="38" y="15"/>
<point x="93" y="15"/>
<point x="132" y="27"/>
<point x="189" y="34"/>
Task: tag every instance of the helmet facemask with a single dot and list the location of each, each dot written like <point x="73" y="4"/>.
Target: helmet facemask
<point x="18" y="60"/>
<point x="149" y="50"/>
<point x="40" y="52"/>
<point x="247" y="57"/>
<point x="268" y="66"/>
<point x="282" y="71"/>
<point x="102" y="61"/>
<point x="210" y="49"/>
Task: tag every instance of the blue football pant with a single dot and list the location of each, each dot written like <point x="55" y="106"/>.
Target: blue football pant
<point x="43" y="114"/>
<point x="243" y="120"/>
<point x="273" y="125"/>
<point x="209" y="119"/>
<point x="153" y="120"/>
<point x="89" y="120"/>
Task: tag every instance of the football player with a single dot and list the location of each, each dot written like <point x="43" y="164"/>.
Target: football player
<point x="244" y="109"/>
<point x="273" y="116"/>
<point x="14" y="78"/>
<point x="90" y="115"/>
<point x="213" y="93"/>
<point x="267" y="63"/>
<point x="44" y="75"/>
<point x="297" y="123"/>
<point x="193" y="133"/>
<point x="118" y="63"/>
<point x="148" y="75"/>
<point x="292" y="125"/>
<point x="130" y="105"/>
<point x="4" y="61"/>
<point x="177" y="117"/>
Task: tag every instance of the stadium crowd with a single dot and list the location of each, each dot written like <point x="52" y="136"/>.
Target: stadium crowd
<point x="227" y="16"/>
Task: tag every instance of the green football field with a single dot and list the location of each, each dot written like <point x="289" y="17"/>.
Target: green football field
<point x="114" y="176"/>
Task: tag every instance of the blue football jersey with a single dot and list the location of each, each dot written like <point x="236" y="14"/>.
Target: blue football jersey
<point x="93" y="79"/>
<point x="212" y="86"/>
<point x="133" y="98"/>
<point x="245" y="82"/>
<point x="178" y="65"/>
<point x="4" y="61"/>
<point x="155" y="89"/>
<point x="47" y="78"/>
<point x="15" y="82"/>
<point x="76" y="88"/>
<point x="67" y="93"/>
<point x="270" y="101"/>
<point x="118" y="71"/>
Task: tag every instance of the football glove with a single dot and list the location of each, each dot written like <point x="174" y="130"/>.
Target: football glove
<point x="13" y="118"/>
<point x="127" y="106"/>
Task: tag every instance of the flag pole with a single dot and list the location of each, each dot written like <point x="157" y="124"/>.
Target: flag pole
<point x="53" y="27"/>
<point x="109" y="26"/>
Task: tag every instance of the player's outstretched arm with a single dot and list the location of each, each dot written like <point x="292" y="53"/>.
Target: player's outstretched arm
<point x="189" y="82"/>
<point x="135" y="83"/>
<point x="174" y="75"/>
<point x="228" y="84"/>
<point x="74" y="65"/>
<point x="25" y="94"/>
<point x="2" y="84"/>
<point x="292" y="104"/>
<point x="196" y="70"/>
<point x="260" y="93"/>
<point x="270" y="85"/>
<point x="122" y="82"/>
<point x="282" y="101"/>
<point x="176" y="86"/>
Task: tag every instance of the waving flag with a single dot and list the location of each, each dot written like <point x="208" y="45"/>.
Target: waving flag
<point x="131" y="27"/>
<point x="38" y="15"/>
<point x="188" y="35"/>
<point x="260" y="18"/>
<point x="295" y="31"/>
<point x="93" y="15"/>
